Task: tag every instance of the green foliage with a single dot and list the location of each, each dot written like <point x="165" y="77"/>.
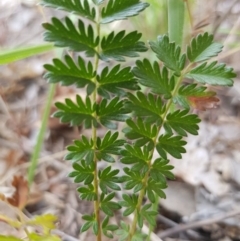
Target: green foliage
<point x="119" y="45"/>
<point x="116" y="81"/>
<point x="121" y="9"/>
<point x="169" y="54"/>
<point x="153" y="99"/>
<point x="73" y="6"/>
<point x="67" y="35"/>
<point x="213" y="74"/>
<point x="76" y="113"/>
<point x="80" y="74"/>
<point x="203" y="48"/>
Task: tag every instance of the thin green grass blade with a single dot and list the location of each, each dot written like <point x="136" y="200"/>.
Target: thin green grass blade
<point x="9" y="56"/>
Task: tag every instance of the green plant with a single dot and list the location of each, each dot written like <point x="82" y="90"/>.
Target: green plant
<point x="157" y="119"/>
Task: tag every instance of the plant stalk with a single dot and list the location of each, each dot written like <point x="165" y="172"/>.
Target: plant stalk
<point x="94" y="137"/>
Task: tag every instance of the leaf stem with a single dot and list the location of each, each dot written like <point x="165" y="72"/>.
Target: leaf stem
<point x="94" y="138"/>
<point x="145" y="180"/>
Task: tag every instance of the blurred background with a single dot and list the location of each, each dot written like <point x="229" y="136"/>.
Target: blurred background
<point x="207" y="185"/>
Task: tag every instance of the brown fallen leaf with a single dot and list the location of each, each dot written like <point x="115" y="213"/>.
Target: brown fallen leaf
<point x="20" y="196"/>
<point x="203" y="102"/>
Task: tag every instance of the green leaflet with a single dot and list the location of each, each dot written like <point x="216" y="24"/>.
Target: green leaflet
<point x="121" y="9"/>
<point x="76" y="39"/>
<point x="173" y="145"/>
<point x="150" y="75"/>
<point x="109" y="146"/>
<point x="76" y="113"/>
<point x="116" y="81"/>
<point x="78" y="7"/>
<point x="161" y="170"/>
<point x="111" y="111"/>
<point x="69" y="73"/>
<point x="147" y="107"/>
<point x="202" y="48"/>
<point x="213" y="74"/>
<point x="120" y="45"/>
<point x="169" y="54"/>
<point x="143" y="132"/>
<point x="83" y="173"/>
<point x="108" y="206"/>
<point x="108" y="179"/>
<point x="182" y="122"/>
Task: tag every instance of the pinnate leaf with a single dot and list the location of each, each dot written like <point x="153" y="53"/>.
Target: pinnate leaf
<point x="182" y="122"/>
<point x="151" y="76"/>
<point x="108" y="146"/>
<point x="82" y="173"/>
<point x="130" y="202"/>
<point x="70" y="73"/>
<point x="137" y="156"/>
<point x="108" y="206"/>
<point x="108" y="179"/>
<point x="140" y="131"/>
<point x="78" y="7"/>
<point x="213" y="74"/>
<point x="76" y="39"/>
<point x="161" y="170"/>
<point x="203" y="48"/>
<point x="111" y="111"/>
<point x="149" y="107"/>
<point x="169" y="53"/>
<point x="115" y="81"/>
<point x="81" y="149"/>
<point x="172" y="145"/>
<point x="119" y="45"/>
<point x="87" y="193"/>
<point x="155" y="187"/>
<point x="76" y="113"/>
<point x="121" y="9"/>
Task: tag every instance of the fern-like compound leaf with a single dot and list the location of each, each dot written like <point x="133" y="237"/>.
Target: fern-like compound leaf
<point x="169" y="53"/>
<point x="108" y="206"/>
<point x="182" y="122"/>
<point x="115" y="81"/>
<point x="147" y="213"/>
<point x="169" y="144"/>
<point x="136" y="156"/>
<point x="69" y="73"/>
<point x="76" y="113"/>
<point x="151" y="76"/>
<point x="120" y="45"/>
<point x="154" y="187"/>
<point x="203" y="48"/>
<point x="161" y="170"/>
<point x="147" y="107"/>
<point x="87" y="193"/>
<point x="82" y="149"/>
<point x="108" y="179"/>
<point x="121" y="9"/>
<point x="140" y="131"/>
<point x="77" y="7"/>
<point x="130" y="203"/>
<point x="213" y="74"/>
<point x="76" y="39"/>
<point x="109" y="146"/>
<point x="111" y="111"/>
<point x="82" y="173"/>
